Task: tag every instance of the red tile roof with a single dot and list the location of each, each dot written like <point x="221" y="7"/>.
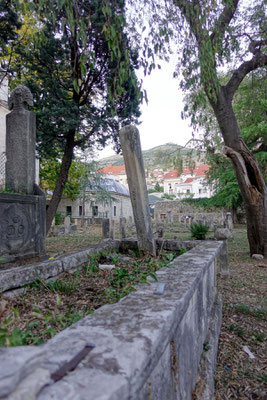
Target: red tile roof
<point x="114" y="170"/>
<point x="171" y="174"/>
<point x="199" y="170"/>
<point x="188" y="180"/>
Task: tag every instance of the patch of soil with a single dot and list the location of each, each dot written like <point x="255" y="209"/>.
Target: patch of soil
<point x="48" y="307"/>
<point x="244" y="326"/>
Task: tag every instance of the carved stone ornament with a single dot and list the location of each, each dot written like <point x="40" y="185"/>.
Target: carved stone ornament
<point x="20" y="98"/>
<point x="15" y="228"/>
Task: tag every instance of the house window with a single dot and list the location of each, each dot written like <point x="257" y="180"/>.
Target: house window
<point x="68" y="210"/>
<point x="187" y="190"/>
<point x="114" y="212"/>
<point x="199" y="191"/>
<point x="80" y="211"/>
<point x="95" y="211"/>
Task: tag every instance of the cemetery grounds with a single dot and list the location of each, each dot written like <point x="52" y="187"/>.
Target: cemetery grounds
<point x="48" y="307"/>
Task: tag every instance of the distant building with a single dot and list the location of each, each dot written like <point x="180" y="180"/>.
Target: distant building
<point x="188" y="183"/>
<point x="116" y="172"/>
<point x="87" y="206"/>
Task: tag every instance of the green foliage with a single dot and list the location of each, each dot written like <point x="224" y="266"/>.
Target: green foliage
<point x="158" y="188"/>
<point x="80" y="68"/>
<point x="9" y="23"/>
<point x="168" y="196"/>
<point x="201" y="202"/>
<point x="245" y="309"/>
<point x="198" y="231"/>
<point x="59" y="218"/>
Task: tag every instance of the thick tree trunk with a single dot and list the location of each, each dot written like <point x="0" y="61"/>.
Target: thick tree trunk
<point x="61" y="181"/>
<point x="248" y="173"/>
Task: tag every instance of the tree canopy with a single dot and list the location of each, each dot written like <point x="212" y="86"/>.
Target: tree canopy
<point x="213" y="35"/>
<point x="80" y="68"/>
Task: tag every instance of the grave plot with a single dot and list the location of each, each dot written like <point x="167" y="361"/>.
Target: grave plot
<point x="46" y="307"/>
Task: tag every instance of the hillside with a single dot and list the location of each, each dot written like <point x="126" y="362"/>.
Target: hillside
<point x="152" y="159"/>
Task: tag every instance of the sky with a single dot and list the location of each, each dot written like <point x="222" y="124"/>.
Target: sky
<point x="161" y="117"/>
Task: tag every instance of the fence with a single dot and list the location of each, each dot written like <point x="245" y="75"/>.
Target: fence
<point x="2" y="169"/>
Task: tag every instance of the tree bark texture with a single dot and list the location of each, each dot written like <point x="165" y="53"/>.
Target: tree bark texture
<point x="248" y="173"/>
<point x="61" y="181"/>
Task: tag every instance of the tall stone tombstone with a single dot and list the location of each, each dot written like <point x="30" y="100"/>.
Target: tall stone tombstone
<point x="22" y="206"/>
<point x="20" y="142"/>
<point x="134" y="164"/>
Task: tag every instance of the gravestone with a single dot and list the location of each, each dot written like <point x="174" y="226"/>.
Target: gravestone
<point x="169" y="213"/>
<point x="229" y="221"/>
<point x="133" y="159"/>
<point x="22" y="213"/>
<point x="112" y="229"/>
<point x="122" y="228"/>
<point x="67" y="224"/>
<point x="105" y="228"/>
<point x="20" y="142"/>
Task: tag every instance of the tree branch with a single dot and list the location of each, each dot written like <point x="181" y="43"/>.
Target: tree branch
<point x="84" y="138"/>
<point x="224" y="20"/>
<point x="239" y="74"/>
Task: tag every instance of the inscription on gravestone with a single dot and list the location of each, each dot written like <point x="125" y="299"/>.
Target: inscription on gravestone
<point x="16" y="227"/>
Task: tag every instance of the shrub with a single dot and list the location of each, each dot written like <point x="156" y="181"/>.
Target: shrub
<point x="199" y="231"/>
<point x="59" y="218"/>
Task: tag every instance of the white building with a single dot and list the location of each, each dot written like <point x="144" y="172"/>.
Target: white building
<point x="189" y="183"/>
<point x="87" y="206"/>
<point x="116" y="172"/>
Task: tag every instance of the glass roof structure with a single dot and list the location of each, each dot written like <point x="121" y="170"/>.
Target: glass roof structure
<point x="110" y="185"/>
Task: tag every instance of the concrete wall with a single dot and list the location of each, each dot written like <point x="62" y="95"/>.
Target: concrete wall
<point x="147" y="346"/>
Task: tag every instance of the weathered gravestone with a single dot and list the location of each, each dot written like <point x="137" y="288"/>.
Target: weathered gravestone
<point x="22" y="206"/>
<point x="122" y="228"/>
<point x="105" y="228"/>
<point x="134" y="164"/>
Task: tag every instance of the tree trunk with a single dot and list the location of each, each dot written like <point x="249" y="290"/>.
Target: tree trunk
<point x="61" y="181"/>
<point x="248" y="173"/>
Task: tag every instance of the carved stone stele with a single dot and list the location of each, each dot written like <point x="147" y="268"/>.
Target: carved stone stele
<point x="20" y="142"/>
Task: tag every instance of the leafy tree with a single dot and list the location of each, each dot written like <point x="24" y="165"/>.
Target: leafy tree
<point x="80" y="69"/>
<point x="9" y="23"/>
<point x="158" y="188"/>
<point x="49" y="171"/>
<point x="213" y="34"/>
<point x="249" y="105"/>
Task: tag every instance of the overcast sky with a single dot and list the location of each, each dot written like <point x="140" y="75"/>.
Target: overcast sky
<point x="161" y="117"/>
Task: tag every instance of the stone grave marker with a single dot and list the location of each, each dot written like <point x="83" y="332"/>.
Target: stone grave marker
<point x="20" y="142"/>
<point x="22" y="206"/>
<point x="134" y="164"/>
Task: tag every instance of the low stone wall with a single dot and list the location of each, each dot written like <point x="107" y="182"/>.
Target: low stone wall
<point x="177" y="211"/>
<point x="146" y="346"/>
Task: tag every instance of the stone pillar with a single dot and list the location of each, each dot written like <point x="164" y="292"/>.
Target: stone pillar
<point x="105" y="228"/>
<point x="111" y="228"/>
<point x="169" y="213"/>
<point x="224" y="266"/>
<point x="20" y="142"/>
<point x="133" y="159"/>
<point x="122" y="228"/>
<point x="229" y="221"/>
